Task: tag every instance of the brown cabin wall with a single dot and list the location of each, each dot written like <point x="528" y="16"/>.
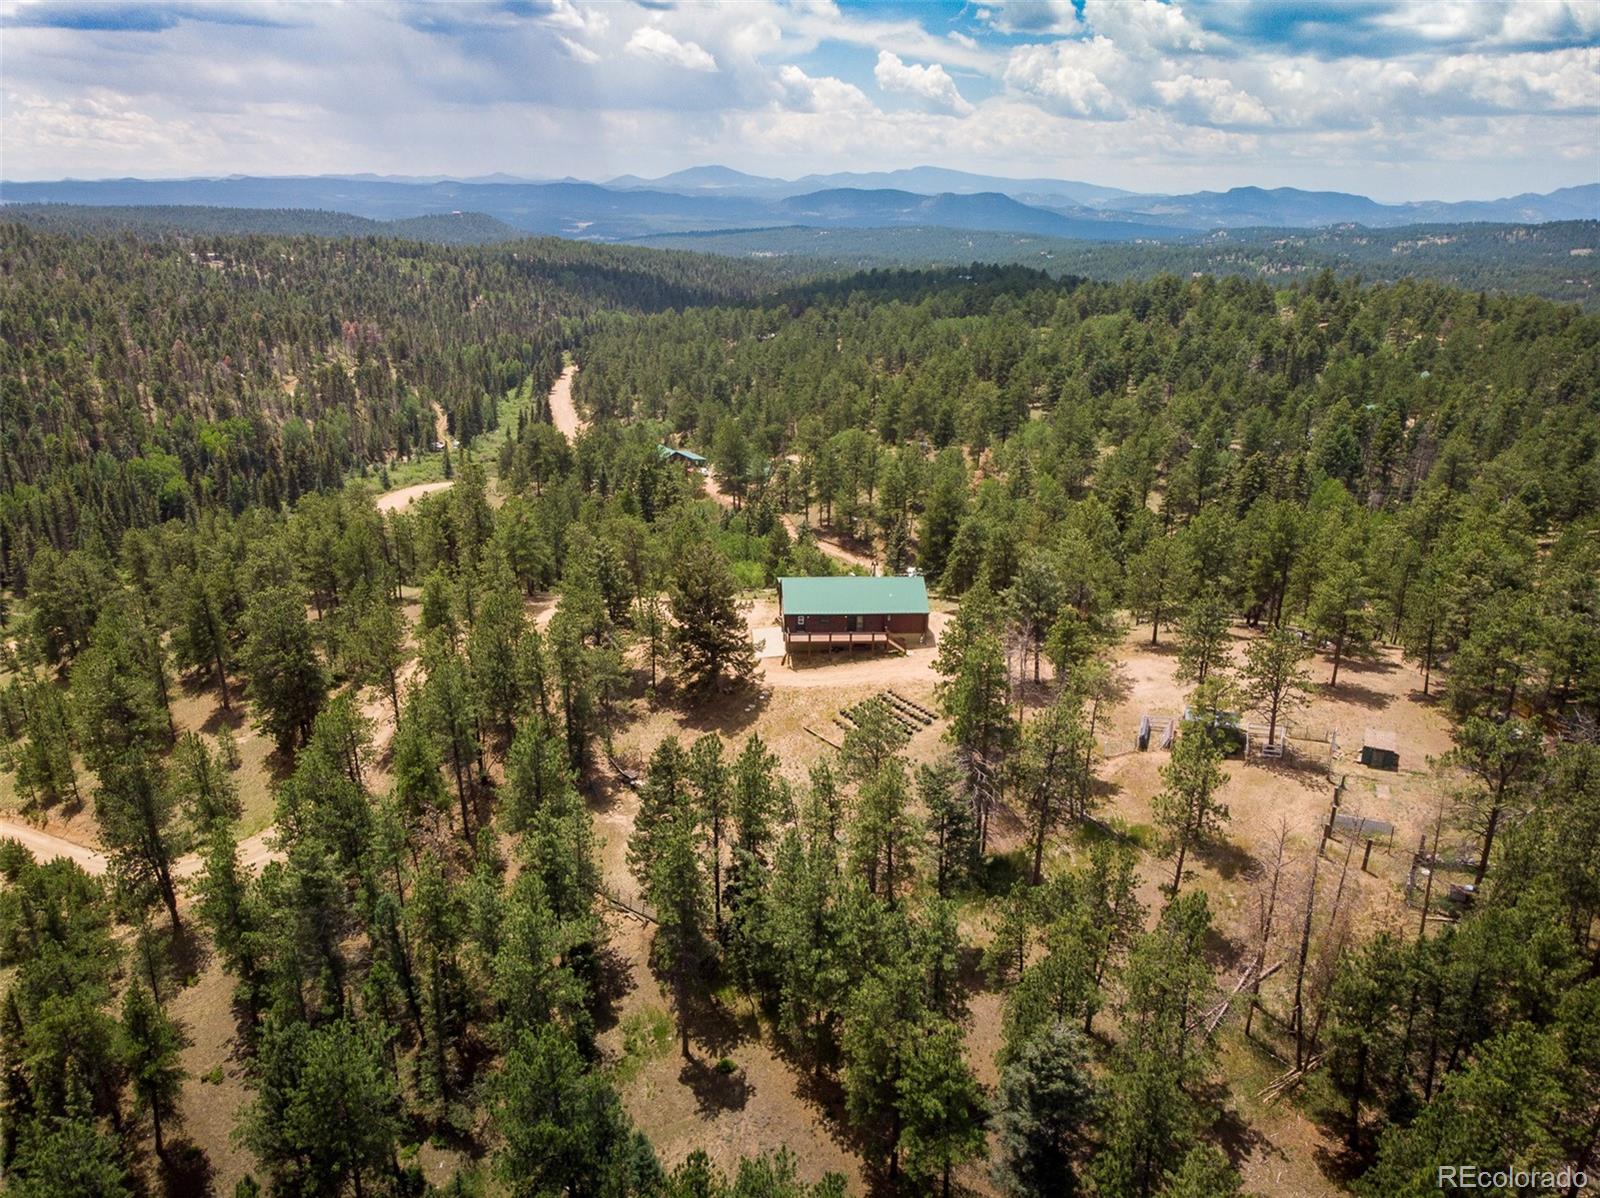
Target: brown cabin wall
<point x="904" y="623"/>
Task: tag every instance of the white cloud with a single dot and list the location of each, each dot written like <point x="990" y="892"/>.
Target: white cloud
<point x="577" y="51"/>
<point x="563" y="14"/>
<point x="1211" y="101"/>
<point x="1031" y="16"/>
<point x="1557" y="81"/>
<point x="1074" y="76"/>
<point x="1412" y="98"/>
<point x="806" y="93"/>
<point x="1485" y="23"/>
<point x="649" y="41"/>
<point x="931" y="83"/>
<point x="1145" y="25"/>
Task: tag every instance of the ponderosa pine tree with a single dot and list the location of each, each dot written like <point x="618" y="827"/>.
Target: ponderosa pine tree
<point x="1203" y="637"/>
<point x="151" y="1046"/>
<point x="709" y="636"/>
<point x="202" y="638"/>
<point x="1047" y="772"/>
<point x="1158" y="577"/>
<point x="709" y="779"/>
<point x="564" y="1130"/>
<point x="451" y="710"/>
<point x="952" y="828"/>
<point x="287" y="683"/>
<point x="1499" y="755"/>
<point x="1340" y="609"/>
<point x="376" y="648"/>
<point x="941" y="1105"/>
<point x="228" y="904"/>
<point x="492" y="652"/>
<point x="202" y="785"/>
<point x="973" y="694"/>
<point x="1274" y="680"/>
<point x="1187" y="809"/>
<point x="324" y="1106"/>
<point x="43" y="760"/>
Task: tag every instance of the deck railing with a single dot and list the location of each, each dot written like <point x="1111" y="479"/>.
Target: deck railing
<point x="836" y="638"/>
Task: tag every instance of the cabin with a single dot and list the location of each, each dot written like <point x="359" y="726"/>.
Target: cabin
<point x="691" y="462"/>
<point x="828" y="613"/>
<point x="1380" y="750"/>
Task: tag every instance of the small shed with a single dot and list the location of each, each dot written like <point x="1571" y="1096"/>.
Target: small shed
<point x="1380" y="750"/>
<point x="826" y="613"/>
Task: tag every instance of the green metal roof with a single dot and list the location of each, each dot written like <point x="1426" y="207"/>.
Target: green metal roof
<point x="853" y="596"/>
<point x="672" y="451"/>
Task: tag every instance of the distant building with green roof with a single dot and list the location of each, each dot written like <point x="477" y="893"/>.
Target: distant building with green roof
<point x="843" y="612"/>
<point x="685" y="457"/>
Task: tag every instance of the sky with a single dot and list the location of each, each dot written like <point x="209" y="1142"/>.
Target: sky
<point x="1397" y="99"/>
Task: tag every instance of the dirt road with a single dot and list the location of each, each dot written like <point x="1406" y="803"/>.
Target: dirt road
<point x="563" y="414"/>
<point x="394" y="501"/>
<point x="47" y="846"/>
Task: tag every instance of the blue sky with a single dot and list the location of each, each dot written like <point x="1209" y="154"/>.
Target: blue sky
<point x="1400" y="99"/>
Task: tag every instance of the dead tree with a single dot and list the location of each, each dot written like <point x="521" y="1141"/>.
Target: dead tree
<point x="1267" y="911"/>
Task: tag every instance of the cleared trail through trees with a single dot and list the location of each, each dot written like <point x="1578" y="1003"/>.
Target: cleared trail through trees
<point x="563" y="413"/>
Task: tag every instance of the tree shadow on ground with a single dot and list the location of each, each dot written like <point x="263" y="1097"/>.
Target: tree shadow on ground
<point x="1376" y="664"/>
<point x="279" y="764"/>
<point x="612" y="981"/>
<point x="1235" y="1136"/>
<point x="231" y="718"/>
<point x="825" y="1093"/>
<point x="726" y="713"/>
<point x="970" y="975"/>
<point x="1357" y="695"/>
<point x="714" y="1090"/>
<point x="1223" y="951"/>
<point x="1166" y="648"/>
<point x="1306" y="768"/>
<point x="1338" y="1163"/>
<point x="1228" y="859"/>
<point x="187" y="1171"/>
<point x="716" y="1028"/>
<point x="604" y="790"/>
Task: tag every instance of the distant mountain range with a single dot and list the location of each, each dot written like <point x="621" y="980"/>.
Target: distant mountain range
<point x="715" y="198"/>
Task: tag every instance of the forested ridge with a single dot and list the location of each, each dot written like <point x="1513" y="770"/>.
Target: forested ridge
<point x="1554" y="259"/>
<point x="517" y="731"/>
<point x="147" y="381"/>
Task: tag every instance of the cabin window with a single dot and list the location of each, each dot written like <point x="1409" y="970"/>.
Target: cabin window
<point x="855" y="624"/>
<point x="800" y="623"/>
